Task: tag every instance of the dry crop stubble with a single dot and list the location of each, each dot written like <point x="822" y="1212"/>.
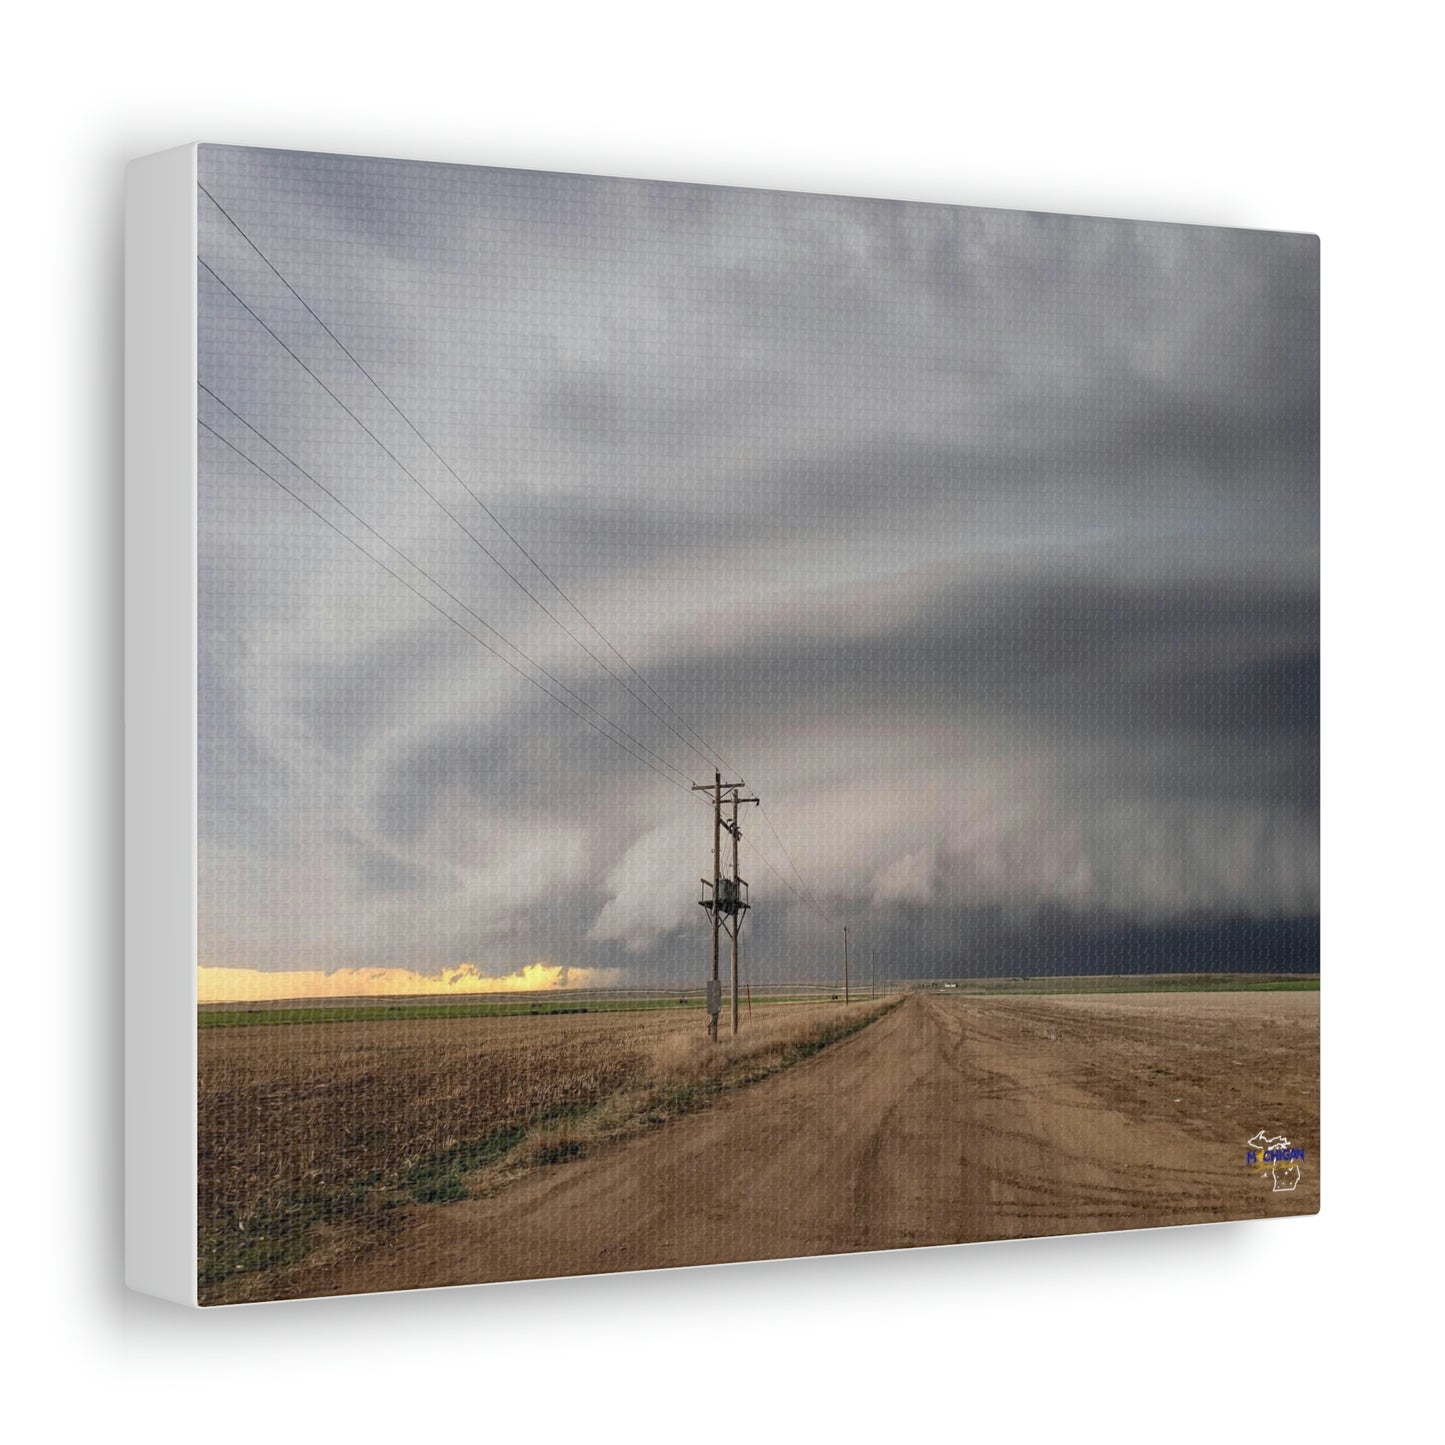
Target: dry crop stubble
<point x="322" y="1136"/>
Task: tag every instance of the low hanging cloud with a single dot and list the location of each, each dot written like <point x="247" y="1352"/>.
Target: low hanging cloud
<point x="645" y="903"/>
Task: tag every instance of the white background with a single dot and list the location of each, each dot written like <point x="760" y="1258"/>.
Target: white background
<point x="1281" y="116"/>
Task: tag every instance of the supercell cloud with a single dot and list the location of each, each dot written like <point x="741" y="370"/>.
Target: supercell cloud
<point x="983" y="544"/>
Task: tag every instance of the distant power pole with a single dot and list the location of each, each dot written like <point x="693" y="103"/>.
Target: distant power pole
<point x="845" y="963"/>
<point x="724" y="895"/>
<point x="873" y="959"/>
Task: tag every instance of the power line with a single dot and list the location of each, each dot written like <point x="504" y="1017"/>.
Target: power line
<point x="783" y="879"/>
<point x="441" y="586"/>
<point x="712" y="756"/>
<point x="807" y="901"/>
<point x="482" y="643"/>
<point x="791" y="864"/>
<point x="716" y="758"/>
<point x="442" y="506"/>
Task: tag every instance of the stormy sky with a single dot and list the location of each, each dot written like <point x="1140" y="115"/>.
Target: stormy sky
<point x="983" y="545"/>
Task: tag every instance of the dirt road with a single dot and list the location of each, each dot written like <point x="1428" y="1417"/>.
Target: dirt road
<point x="951" y="1119"/>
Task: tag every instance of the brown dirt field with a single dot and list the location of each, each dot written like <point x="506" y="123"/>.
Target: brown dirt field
<point x="286" y="1109"/>
<point x="325" y="1135"/>
<point x="950" y="1120"/>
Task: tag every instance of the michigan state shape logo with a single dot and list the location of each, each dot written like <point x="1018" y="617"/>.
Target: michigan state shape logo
<point x="1275" y="1156"/>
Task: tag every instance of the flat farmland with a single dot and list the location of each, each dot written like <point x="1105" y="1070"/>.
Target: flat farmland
<point x="623" y="1142"/>
<point x="325" y="1137"/>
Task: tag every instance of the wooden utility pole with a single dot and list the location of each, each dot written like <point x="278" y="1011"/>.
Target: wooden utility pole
<point x="724" y="896"/>
<point x="714" y="992"/>
<point x="737" y="921"/>
<point x="873" y="959"/>
<point x="845" y="963"/>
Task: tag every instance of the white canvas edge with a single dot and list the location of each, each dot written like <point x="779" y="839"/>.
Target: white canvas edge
<point x="160" y="725"/>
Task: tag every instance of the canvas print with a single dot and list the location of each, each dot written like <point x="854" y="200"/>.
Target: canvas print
<point x="737" y="725"/>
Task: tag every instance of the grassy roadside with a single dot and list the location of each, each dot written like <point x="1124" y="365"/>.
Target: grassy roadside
<point x="680" y="1074"/>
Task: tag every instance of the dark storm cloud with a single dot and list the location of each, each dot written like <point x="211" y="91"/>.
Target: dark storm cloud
<point x="1196" y="658"/>
<point x="898" y="482"/>
<point x="985" y="543"/>
<point x="1052" y="942"/>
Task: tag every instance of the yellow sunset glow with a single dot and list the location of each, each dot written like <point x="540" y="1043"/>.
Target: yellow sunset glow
<point x="254" y="985"/>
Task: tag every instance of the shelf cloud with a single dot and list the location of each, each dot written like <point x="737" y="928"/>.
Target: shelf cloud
<point x="983" y="545"/>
